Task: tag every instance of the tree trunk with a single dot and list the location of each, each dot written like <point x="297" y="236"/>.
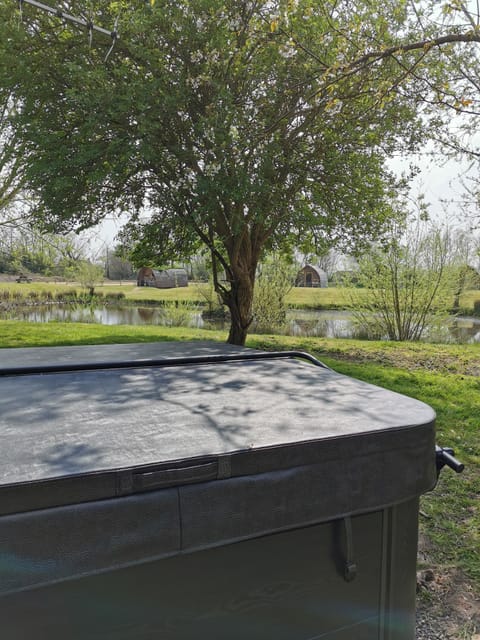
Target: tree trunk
<point x="239" y="301"/>
<point x="456" y="304"/>
<point x="237" y="334"/>
<point x="243" y="251"/>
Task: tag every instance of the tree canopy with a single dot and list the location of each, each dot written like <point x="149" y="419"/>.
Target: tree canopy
<point x="241" y="125"/>
<point x="11" y="178"/>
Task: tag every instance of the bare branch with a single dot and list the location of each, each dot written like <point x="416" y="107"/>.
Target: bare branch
<point x="426" y="45"/>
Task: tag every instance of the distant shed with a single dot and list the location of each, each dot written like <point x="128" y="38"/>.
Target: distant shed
<point x="166" y="279"/>
<point x="311" y="276"/>
<point x="170" y="278"/>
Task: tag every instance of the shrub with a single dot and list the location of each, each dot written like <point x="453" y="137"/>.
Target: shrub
<point x="68" y="295"/>
<point x="178" y="314"/>
<point x="274" y="280"/>
<point x="114" y="295"/>
<point x="210" y="296"/>
<point x="410" y="283"/>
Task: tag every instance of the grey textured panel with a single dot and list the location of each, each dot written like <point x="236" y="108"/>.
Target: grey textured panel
<point x="288" y="587"/>
<point x="33" y="356"/>
<point x="52" y="544"/>
<point x="77" y="423"/>
<point x="67" y="542"/>
<point x="250" y="506"/>
<point x="400" y="594"/>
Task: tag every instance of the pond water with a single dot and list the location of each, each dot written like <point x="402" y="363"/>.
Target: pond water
<point x="341" y="324"/>
<point x="329" y="324"/>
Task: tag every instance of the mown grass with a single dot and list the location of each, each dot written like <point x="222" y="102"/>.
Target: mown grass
<point x="31" y="334"/>
<point x="445" y="376"/>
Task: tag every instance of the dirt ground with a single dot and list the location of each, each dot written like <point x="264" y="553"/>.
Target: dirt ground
<point x="448" y="605"/>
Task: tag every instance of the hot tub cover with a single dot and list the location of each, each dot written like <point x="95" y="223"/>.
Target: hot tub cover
<point x="150" y="461"/>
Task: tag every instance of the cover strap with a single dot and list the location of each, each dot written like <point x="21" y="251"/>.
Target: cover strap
<point x="350" y="569"/>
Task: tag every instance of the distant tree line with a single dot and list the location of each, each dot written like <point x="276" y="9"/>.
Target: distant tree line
<point x="23" y="249"/>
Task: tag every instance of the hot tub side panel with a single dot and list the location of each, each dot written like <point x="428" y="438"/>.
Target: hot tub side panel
<point x="287" y="586"/>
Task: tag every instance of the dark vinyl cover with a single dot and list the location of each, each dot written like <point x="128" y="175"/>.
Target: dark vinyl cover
<point x="111" y="467"/>
<point x="11" y="359"/>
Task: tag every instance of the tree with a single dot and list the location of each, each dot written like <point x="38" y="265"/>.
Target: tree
<point x="88" y="275"/>
<point x="117" y="264"/>
<point x="25" y="247"/>
<point x="241" y="125"/>
<point x="406" y="283"/>
<point x="465" y="250"/>
<point x="11" y="178"/>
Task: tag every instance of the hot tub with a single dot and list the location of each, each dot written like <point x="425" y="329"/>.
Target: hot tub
<point x="183" y="491"/>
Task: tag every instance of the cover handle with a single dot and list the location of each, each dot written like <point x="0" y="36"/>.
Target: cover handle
<point x="151" y="480"/>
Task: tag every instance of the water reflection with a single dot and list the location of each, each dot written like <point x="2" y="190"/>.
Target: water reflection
<point x="328" y="324"/>
<point x="323" y="324"/>
<point x="460" y="330"/>
<point x="95" y="315"/>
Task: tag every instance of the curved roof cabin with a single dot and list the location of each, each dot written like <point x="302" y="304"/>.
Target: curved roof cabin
<point x="311" y="276"/>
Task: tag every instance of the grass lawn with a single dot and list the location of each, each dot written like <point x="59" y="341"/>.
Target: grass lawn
<point x="445" y="376"/>
<point x="298" y="297"/>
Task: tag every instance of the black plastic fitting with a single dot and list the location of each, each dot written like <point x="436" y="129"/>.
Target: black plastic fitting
<point x="446" y="457"/>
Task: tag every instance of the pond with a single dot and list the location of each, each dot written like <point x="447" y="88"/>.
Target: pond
<point x="328" y="324"/>
<point x="341" y="324"/>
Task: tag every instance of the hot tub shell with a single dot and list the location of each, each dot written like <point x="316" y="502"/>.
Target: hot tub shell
<point x="191" y="490"/>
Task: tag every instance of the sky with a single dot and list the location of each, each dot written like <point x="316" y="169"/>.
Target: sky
<point x="441" y="182"/>
<point x="103" y="235"/>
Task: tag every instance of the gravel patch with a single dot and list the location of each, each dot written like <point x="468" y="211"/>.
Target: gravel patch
<point x="429" y="627"/>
